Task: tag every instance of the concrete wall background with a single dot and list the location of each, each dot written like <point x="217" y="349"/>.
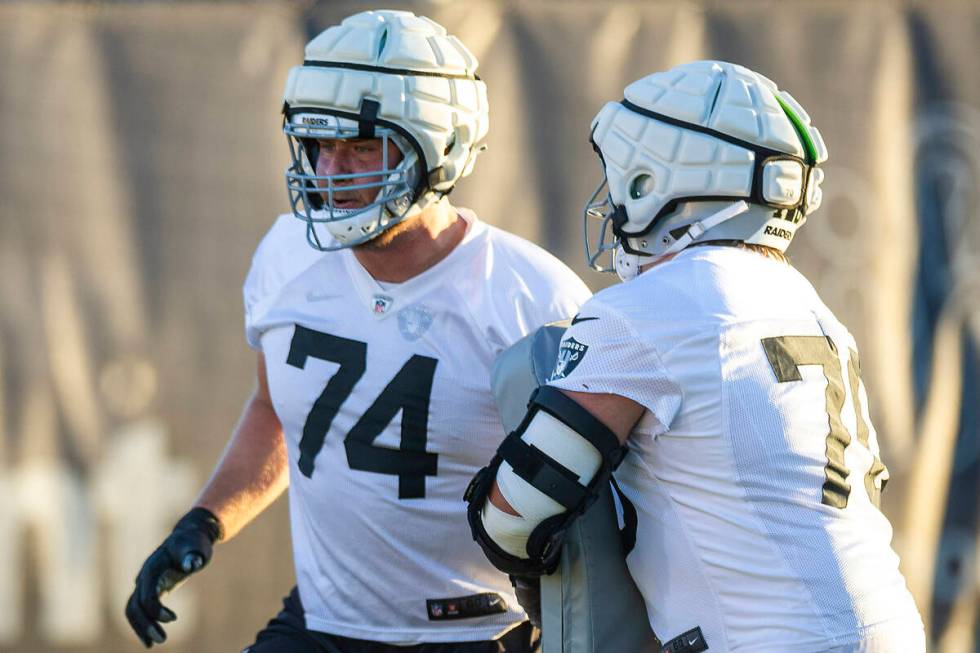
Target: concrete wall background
<point x="141" y="161"/>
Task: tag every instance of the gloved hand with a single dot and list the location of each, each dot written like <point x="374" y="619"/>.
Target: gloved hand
<point x="528" y="591"/>
<point x="186" y="550"/>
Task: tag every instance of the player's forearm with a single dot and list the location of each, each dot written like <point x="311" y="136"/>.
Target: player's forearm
<point x="252" y="471"/>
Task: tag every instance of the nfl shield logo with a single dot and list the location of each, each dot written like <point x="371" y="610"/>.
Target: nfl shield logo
<point x="381" y="304"/>
<point x="570" y="354"/>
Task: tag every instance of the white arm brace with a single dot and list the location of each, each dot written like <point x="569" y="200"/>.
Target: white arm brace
<point x="564" y="445"/>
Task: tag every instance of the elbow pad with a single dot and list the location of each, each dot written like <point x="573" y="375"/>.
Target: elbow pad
<point x="550" y="470"/>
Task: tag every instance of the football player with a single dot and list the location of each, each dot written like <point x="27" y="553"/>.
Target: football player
<point x="716" y="384"/>
<point x="377" y="309"/>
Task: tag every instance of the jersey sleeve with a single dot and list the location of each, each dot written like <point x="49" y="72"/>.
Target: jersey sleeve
<point x="546" y="301"/>
<point x="252" y="292"/>
<point x="282" y="254"/>
<point x="554" y="292"/>
<point x="567" y="299"/>
<point x="602" y="352"/>
<point x="523" y="287"/>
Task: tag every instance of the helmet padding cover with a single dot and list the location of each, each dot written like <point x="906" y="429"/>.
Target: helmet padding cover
<point x="686" y="142"/>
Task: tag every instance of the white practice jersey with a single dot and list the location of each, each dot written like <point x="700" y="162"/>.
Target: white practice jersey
<point x="384" y="396"/>
<point x="755" y="469"/>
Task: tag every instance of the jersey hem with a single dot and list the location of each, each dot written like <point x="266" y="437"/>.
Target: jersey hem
<point x="411" y="636"/>
<point x="901" y="623"/>
<point x="863" y="635"/>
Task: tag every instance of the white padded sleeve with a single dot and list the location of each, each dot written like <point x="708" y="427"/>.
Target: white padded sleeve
<point x="565" y="446"/>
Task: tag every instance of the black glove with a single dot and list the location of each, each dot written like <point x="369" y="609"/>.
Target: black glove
<point x="528" y="591"/>
<point x="186" y="550"/>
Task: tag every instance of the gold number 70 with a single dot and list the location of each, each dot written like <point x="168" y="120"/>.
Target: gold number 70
<point x="786" y="354"/>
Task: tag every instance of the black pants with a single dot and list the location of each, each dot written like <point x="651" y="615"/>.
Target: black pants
<point x="287" y="633"/>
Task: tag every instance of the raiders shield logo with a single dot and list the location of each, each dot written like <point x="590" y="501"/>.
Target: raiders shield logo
<point x="414" y="321"/>
<point x="570" y="354"/>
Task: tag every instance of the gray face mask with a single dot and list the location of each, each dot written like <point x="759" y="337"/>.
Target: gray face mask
<point x="396" y="188"/>
<point x="601" y="245"/>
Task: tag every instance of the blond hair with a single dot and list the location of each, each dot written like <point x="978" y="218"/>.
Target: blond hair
<point x="764" y="250"/>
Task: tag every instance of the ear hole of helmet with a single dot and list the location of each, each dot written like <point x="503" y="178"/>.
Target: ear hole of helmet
<point x="641" y="186"/>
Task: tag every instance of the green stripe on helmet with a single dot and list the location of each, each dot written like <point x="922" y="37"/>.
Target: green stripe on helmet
<point x="801" y="130"/>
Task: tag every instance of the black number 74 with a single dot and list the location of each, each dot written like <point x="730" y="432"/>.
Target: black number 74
<point x="786" y="354"/>
<point x="409" y="391"/>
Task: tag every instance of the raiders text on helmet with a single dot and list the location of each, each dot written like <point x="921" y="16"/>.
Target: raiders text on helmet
<point x="389" y="75"/>
<point x="705" y="151"/>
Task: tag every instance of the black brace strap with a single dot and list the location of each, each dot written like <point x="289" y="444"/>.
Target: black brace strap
<point x="565" y="409"/>
<point x="542" y="471"/>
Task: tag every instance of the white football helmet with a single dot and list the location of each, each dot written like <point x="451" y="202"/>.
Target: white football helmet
<point x="705" y="151"/>
<point x="389" y="75"/>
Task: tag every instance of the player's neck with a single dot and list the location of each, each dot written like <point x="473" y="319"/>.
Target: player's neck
<point x="656" y="262"/>
<point x="414" y="246"/>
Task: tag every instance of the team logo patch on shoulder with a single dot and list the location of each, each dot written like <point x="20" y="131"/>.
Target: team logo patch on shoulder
<point x="570" y="354"/>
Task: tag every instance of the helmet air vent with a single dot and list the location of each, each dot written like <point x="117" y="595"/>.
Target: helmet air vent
<point x="382" y="43"/>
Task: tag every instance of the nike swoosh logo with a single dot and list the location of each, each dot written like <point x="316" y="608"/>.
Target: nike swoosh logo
<point x="314" y="296"/>
<point x="693" y="640"/>
<point x="577" y="319"/>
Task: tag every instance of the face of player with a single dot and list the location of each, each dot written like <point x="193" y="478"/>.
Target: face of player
<point x="338" y="156"/>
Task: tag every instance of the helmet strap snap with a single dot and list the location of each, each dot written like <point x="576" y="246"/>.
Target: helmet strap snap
<point x="698" y="229"/>
<point x="367" y="118"/>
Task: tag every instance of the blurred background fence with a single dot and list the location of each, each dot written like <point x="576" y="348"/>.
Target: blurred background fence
<point x="141" y="161"/>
